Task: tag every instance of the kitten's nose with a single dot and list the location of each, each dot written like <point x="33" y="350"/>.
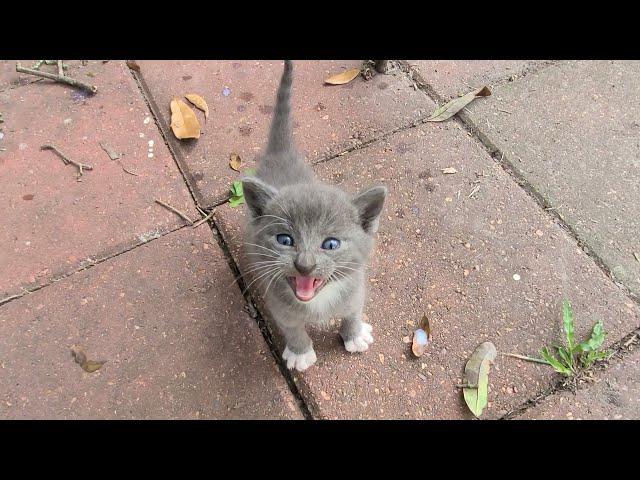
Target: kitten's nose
<point x="305" y="263"/>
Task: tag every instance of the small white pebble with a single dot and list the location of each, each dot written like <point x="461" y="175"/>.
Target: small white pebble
<point x="147" y="120"/>
<point x="150" y="155"/>
<point x="150" y="143"/>
<point x="27" y="243"/>
<point x="141" y="135"/>
<point x="516" y="277"/>
<point x="67" y="121"/>
<point x="22" y="146"/>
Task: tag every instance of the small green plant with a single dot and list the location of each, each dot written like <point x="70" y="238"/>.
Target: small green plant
<point x="237" y="195"/>
<point x="575" y="357"/>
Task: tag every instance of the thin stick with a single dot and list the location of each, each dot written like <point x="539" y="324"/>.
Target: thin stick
<point x="67" y="160"/>
<point x="505" y="111"/>
<point x="529" y="359"/>
<point x="202" y="220"/>
<point x="174" y="210"/>
<point x="130" y="173"/>
<point x="58" y="78"/>
<point x="60" y="68"/>
<point x="474" y="191"/>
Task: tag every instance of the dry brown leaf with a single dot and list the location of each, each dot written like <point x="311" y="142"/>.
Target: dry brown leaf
<point x="80" y="357"/>
<point x="449" y="170"/>
<point x="421" y="337"/>
<point x="133" y="65"/>
<point x="449" y="109"/>
<point x="199" y="102"/>
<point x="235" y="162"/>
<point x="344" y="77"/>
<point x="183" y="120"/>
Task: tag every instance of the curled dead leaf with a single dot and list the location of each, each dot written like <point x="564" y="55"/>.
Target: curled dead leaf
<point x="476" y="376"/>
<point x="449" y="109"/>
<point x="199" y="102"/>
<point x="421" y="337"/>
<point x="183" y="120"/>
<point x="235" y="161"/>
<point x="344" y="77"/>
<point x="80" y="357"/>
<point x="133" y="65"/>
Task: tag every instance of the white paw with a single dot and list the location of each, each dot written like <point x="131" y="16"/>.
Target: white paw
<point x="360" y="342"/>
<point x="300" y="361"/>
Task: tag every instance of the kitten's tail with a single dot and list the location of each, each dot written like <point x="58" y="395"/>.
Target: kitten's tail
<point x="280" y="133"/>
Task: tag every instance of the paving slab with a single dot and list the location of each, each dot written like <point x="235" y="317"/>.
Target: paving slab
<point x="490" y="266"/>
<point x="451" y="78"/>
<point x="573" y="133"/>
<point x="328" y="119"/>
<point x="177" y="342"/>
<point x="614" y="396"/>
<point x="52" y="224"/>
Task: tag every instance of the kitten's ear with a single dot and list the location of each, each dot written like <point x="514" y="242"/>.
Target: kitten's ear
<point x="257" y="194"/>
<point x="369" y="204"/>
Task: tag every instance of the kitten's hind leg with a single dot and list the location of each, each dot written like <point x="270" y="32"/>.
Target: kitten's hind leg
<point x="355" y="333"/>
<point x="298" y="353"/>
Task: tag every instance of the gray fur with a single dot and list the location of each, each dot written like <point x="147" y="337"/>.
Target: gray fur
<point x="285" y="197"/>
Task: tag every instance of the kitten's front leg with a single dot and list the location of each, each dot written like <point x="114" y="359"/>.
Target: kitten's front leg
<point x="355" y="333"/>
<point x="298" y="353"/>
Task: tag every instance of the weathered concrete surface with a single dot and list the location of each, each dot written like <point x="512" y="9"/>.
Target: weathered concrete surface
<point x="52" y="224"/>
<point x="450" y="78"/>
<point x="573" y="134"/>
<point x="454" y="258"/>
<point x="176" y="339"/>
<point x="328" y="119"/>
<point x="614" y="396"/>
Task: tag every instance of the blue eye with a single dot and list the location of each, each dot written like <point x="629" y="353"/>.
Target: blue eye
<point x="284" y="239"/>
<point x="331" y="244"/>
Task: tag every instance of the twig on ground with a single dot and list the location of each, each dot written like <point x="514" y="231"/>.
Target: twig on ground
<point x="58" y="78"/>
<point x="528" y="359"/>
<point x="505" y="111"/>
<point x="202" y="220"/>
<point x="67" y="160"/>
<point x="60" y="68"/>
<point x="474" y="191"/>
<point x="174" y="210"/>
<point x="123" y="168"/>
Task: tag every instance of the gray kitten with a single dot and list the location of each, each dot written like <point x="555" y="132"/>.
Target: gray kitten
<point x="307" y="243"/>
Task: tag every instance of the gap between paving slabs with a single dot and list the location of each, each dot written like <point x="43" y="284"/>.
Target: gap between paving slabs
<point x="209" y="210"/>
<point x="470" y="126"/>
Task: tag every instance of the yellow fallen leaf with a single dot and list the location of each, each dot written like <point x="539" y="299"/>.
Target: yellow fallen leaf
<point x="199" y="102"/>
<point x="235" y="162"/>
<point x="449" y="170"/>
<point x="183" y="120"/>
<point x="344" y="77"/>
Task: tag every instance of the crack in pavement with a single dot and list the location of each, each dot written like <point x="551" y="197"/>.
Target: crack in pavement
<point x="90" y="263"/>
<point x="215" y="230"/>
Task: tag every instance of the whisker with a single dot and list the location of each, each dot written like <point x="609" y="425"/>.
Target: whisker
<point x="274" y="216"/>
<point x="260" y="246"/>
<point x="263" y="274"/>
<point x="349" y="268"/>
<point x="272" y="279"/>
<point x="263" y="254"/>
<point x="271" y="224"/>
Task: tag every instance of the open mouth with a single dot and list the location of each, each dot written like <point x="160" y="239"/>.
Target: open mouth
<point x="305" y="288"/>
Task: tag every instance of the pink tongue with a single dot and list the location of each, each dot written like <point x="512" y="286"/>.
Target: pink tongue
<point x="304" y="287"/>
